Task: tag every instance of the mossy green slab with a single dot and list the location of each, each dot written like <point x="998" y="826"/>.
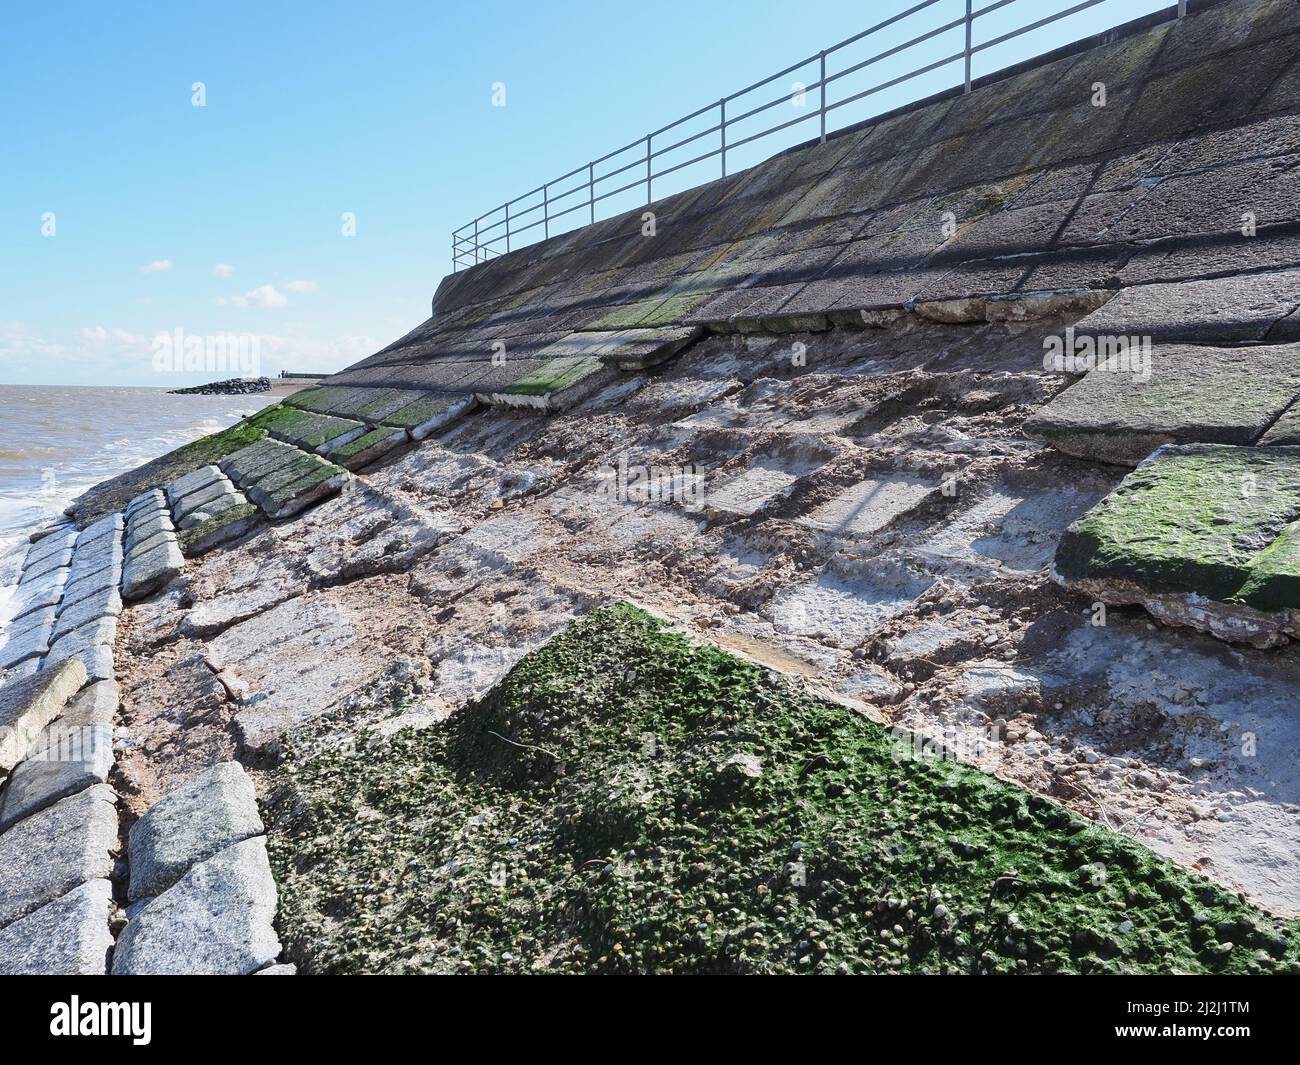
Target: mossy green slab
<point x="1192" y="519"/>
<point x="629" y="801"/>
<point x="554" y="376"/>
<point x="430" y="411"/>
<point x="367" y="449"/>
<point x="229" y="525"/>
<point x="309" y="430"/>
<point x="1274" y="580"/>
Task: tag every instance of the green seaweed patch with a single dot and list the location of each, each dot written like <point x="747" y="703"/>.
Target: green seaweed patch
<point x="626" y="800"/>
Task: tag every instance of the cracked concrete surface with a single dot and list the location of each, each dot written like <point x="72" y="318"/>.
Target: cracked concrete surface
<point x="928" y="605"/>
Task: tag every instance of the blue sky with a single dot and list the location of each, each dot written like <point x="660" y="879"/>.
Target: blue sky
<point x="226" y="218"/>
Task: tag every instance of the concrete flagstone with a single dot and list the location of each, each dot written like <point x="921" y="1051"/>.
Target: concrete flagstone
<point x="52" y="852"/>
<point x="68" y="759"/>
<point x="67" y="937"/>
<point x="1193" y="395"/>
<point x="216" y="920"/>
<point x="28" y="704"/>
<point x="189" y="825"/>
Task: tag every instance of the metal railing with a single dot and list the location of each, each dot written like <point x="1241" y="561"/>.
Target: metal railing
<point x="498" y="231"/>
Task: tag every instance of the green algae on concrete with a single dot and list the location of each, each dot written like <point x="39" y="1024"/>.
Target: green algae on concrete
<point x="1274" y="581"/>
<point x="627" y="800"/>
<point x="1191" y="519"/>
<point x="368" y="448"/>
<point x="229" y="525"/>
<point x="427" y="412"/>
<point x="555" y="385"/>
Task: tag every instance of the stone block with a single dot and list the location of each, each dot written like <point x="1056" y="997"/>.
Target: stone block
<point x="189" y="825"/>
<point x="48" y="854"/>
<point x="216" y="920"/>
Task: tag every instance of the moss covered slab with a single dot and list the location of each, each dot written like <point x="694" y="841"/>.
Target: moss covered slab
<point x="628" y="801"/>
<point x="554" y="386"/>
<point x="428" y="412"/>
<point x="248" y="464"/>
<point x="370" y="448"/>
<point x="1190" y="395"/>
<point x="1201" y="535"/>
<point x="312" y="431"/>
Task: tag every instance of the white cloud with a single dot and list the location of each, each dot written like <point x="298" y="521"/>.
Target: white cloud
<point x="98" y="335"/>
<point x="303" y="286"/>
<point x="265" y="296"/>
<point x="157" y="266"/>
<point x="222" y="270"/>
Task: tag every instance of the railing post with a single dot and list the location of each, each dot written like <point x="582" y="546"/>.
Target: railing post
<point x="476" y="258"/>
<point x="591" y="189"/>
<point x="969" y="20"/>
<point x="507" y="229"/>
<point x="649" y="177"/>
<point x="1182" y="8"/>
<point x="823" y="83"/>
<point x="722" y="128"/>
<point x="546" y="212"/>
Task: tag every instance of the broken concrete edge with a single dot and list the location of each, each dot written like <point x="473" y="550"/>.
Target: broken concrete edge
<point x="1227" y="621"/>
<point x="1004" y="307"/>
<point x="1181" y="535"/>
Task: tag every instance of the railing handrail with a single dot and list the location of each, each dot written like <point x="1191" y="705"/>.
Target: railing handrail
<point x="471" y="243"/>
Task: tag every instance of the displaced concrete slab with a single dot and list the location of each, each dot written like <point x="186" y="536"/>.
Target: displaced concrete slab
<point x="95" y="704"/>
<point x="431" y="412"/>
<point x="144" y="527"/>
<point x="144" y="574"/>
<point x="154" y="499"/>
<point x="289" y="491"/>
<point x="1201" y="312"/>
<point x="31" y="643"/>
<point x="189" y="825"/>
<point x="555" y="386"/>
<point x="49" y="547"/>
<point x="257" y="460"/>
<point x="1200" y="535"/>
<point x="1192" y="395"/>
<point x="369" y="448"/>
<point x="39" y="594"/>
<point x="216" y="920"/>
<point x="67" y="760"/>
<point x="67" y="937"/>
<point x="1286" y="430"/>
<point x="28" y="704"/>
<point x="47" y="563"/>
<point x="101" y="604"/>
<point x="222" y="528"/>
<point x="213" y="495"/>
<point x="200" y="479"/>
<point x="312" y="432"/>
<point x="48" y="854"/>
